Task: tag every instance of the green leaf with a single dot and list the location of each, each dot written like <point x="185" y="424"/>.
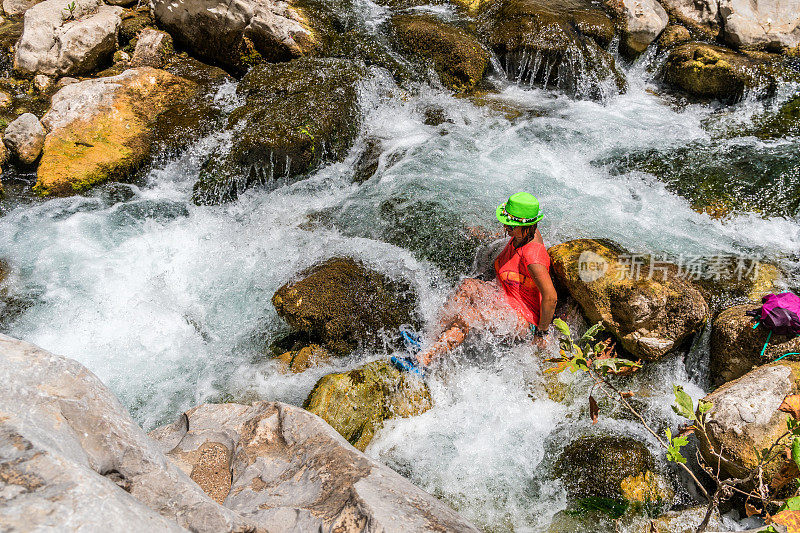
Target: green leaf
<point x="792" y="504"/>
<point x="562" y="327"/>
<point x="796" y="451"/>
<point x="683" y="403"/>
<point x="704" y="406"/>
<point x="592" y="331"/>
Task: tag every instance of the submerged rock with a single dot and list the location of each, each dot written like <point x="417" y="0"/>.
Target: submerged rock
<point x="297" y="361"/>
<point x="684" y="521"/>
<point x="558" y="43"/>
<point x="343" y="304"/>
<point x="297" y="116"/>
<point x="25" y="138"/>
<point x="736" y="346"/>
<point x="287" y="470"/>
<point x="236" y="35"/>
<point x="100" y="130"/>
<point x="745" y="418"/>
<point x="603" y="466"/>
<point x="67" y="446"/>
<point x="713" y="71"/>
<point x="356" y="403"/>
<point x="59" y="43"/>
<point x="457" y="56"/>
<point x="649" y="314"/>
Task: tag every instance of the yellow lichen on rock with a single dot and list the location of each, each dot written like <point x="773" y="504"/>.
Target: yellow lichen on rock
<point x="646" y="487"/>
<point x="107" y="139"/>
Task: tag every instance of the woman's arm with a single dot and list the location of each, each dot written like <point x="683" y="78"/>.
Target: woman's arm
<point x="541" y="276"/>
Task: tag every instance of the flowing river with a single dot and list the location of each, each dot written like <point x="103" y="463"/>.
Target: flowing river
<point x="169" y="303"/>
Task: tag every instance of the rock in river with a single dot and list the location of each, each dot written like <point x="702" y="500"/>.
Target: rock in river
<point x="343" y="304"/>
<point x="101" y="129"/>
<point x="237" y="34"/>
<point x="59" y="44"/>
<point x="457" y="56"/>
<point x="649" y="314"/>
<point x="297" y="116"/>
<point x="25" y="138"/>
<point x="356" y="403"/>
<point x="642" y="22"/>
<point x="736" y="346"/>
<point x="772" y="25"/>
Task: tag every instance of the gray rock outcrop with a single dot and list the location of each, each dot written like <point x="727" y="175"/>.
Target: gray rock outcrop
<point x="17" y="7"/>
<point x="287" y="470"/>
<point x="25" y="138"/>
<point x="702" y="16"/>
<point x="761" y="24"/>
<point x="152" y="48"/>
<point x="57" y="42"/>
<point x="235" y="34"/>
<point x="642" y="22"/>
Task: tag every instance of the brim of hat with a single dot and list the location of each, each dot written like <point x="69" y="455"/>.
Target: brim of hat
<point x="508" y="222"/>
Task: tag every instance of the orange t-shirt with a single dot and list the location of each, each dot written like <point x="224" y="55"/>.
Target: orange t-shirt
<point x="521" y="291"/>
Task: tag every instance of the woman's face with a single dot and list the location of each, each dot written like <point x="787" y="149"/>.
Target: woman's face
<point x="515" y="232"/>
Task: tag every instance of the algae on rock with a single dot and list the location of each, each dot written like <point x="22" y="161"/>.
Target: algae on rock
<point x="356" y="403"/>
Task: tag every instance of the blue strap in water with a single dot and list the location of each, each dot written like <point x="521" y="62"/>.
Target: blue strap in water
<point x="764" y="349"/>
<point x="756" y="325"/>
<point x="784" y="355"/>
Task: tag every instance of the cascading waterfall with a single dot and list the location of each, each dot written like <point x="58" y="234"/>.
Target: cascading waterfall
<point x="169" y="302"/>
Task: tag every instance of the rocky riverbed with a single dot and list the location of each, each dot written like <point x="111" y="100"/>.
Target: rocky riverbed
<point x="215" y="221"/>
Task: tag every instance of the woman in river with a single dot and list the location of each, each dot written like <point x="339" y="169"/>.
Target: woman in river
<point x="520" y="300"/>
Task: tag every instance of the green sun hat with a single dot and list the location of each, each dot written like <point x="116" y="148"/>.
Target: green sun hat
<point x="521" y="209"/>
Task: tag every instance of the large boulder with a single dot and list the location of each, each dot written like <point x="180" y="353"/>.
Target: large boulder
<point x="713" y="71"/>
<point x="13" y="8"/>
<point x="650" y="313"/>
<point x="58" y="42"/>
<point x="555" y="43"/>
<point x="25" y="138"/>
<point x="736" y="346"/>
<point x="296" y="116"/>
<point x="642" y="21"/>
<point x="772" y="24"/>
<point x="152" y="49"/>
<point x="356" y="403"/>
<point x="745" y="418"/>
<point x="101" y="129"/>
<point x="237" y="34"/>
<point x="287" y="470"/>
<point x="67" y="447"/>
<point x="342" y="304"/>
<point x="457" y="56"/>
<point x="603" y="466"/>
<point x="700" y="16"/>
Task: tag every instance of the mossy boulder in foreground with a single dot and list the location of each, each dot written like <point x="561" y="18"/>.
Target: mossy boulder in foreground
<point x="296" y="116"/>
<point x="101" y="130"/>
<point x="342" y="304"/>
<point x="356" y="403"/>
<point x="650" y="314"/>
<point x="457" y="56"/>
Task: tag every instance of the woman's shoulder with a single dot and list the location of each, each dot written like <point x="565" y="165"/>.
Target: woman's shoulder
<point x="536" y="252"/>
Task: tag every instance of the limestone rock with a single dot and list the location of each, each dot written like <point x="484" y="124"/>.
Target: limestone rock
<point x="152" y="48"/>
<point x="287" y="470"/>
<point x="296" y="116"/>
<point x="101" y="129"/>
<point x="356" y="403"/>
<point x="6" y="100"/>
<point x="133" y="22"/>
<point x="59" y="43"/>
<point x="237" y="34"/>
<point x="13" y="8"/>
<point x="42" y="83"/>
<point x="4" y="155"/>
<point x="642" y="22"/>
<point x="685" y="521"/>
<point x="713" y="71"/>
<point x="745" y="417"/>
<point x="66" y="447"/>
<point x="458" y="57"/>
<point x="649" y="317"/>
<point x="25" y="137"/>
<point x="701" y="16"/>
<point x="596" y="466"/>
<point x="736" y="346"/>
<point x="555" y="43"/>
<point x="342" y="304"/>
<point x="771" y="24"/>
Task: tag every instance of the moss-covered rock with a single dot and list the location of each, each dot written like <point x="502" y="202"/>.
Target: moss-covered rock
<point x="736" y="346"/>
<point x="134" y="20"/>
<point x="745" y="419"/>
<point x="713" y="71"/>
<point x="342" y="304"/>
<point x="596" y="466"/>
<point x="457" y="56"/>
<point x="649" y="314"/>
<point x="297" y="361"/>
<point x="101" y="129"/>
<point x="785" y="122"/>
<point x="356" y="403"/>
<point x="673" y="35"/>
<point x="296" y="116"/>
<point x="557" y="43"/>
